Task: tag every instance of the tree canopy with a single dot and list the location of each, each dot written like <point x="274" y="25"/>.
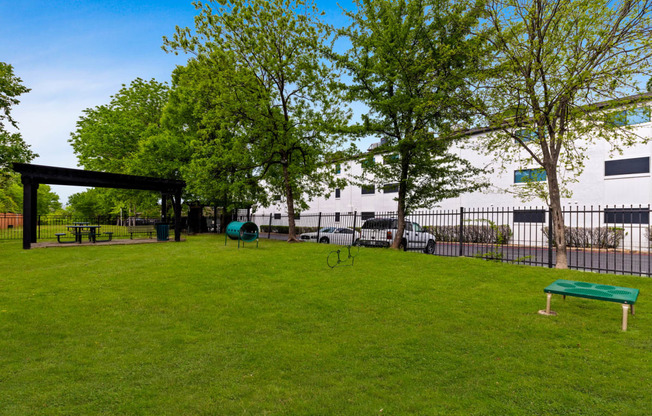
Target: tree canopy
<point x="108" y="137"/>
<point x="11" y="197"/>
<point x="12" y="146"/>
<point x="113" y="138"/>
<point x="409" y="62"/>
<point x="272" y="101"/>
<point x="553" y="65"/>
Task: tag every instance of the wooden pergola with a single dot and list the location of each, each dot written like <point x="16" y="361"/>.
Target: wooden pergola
<point x="34" y="175"/>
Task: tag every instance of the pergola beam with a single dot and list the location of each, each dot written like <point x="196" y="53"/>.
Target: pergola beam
<point x="34" y="175"/>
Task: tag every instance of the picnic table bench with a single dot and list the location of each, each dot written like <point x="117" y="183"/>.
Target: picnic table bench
<point x="623" y="295"/>
<point x="77" y="233"/>
<point x="59" y="235"/>
<point x="140" y="229"/>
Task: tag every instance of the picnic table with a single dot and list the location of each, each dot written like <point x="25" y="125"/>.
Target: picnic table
<point x="84" y="229"/>
<point x="626" y="296"/>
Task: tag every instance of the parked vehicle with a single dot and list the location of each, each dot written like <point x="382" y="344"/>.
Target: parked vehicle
<point x="381" y="232"/>
<point x="333" y="235"/>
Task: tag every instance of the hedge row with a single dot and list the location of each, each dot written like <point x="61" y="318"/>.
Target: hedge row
<point x="284" y="229"/>
<point x="600" y="237"/>
<point x="488" y="234"/>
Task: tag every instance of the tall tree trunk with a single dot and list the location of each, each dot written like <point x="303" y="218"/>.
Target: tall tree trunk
<point x="557" y="219"/>
<point x="402" y="192"/>
<point x="292" y="233"/>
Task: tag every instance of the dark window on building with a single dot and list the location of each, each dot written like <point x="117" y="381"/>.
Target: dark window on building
<point x="530" y="215"/>
<point x="338" y="169"/>
<point x="630" y="117"/>
<point x="391" y="158"/>
<point x="297" y="215"/>
<point x="277" y="216"/>
<point x="367" y="215"/>
<point x="368" y="162"/>
<point x="526" y="135"/>
<point x="529" y="175"/>
<point x="627" y="166"/>
<point x="337" y="217"/>
<point x="626" y="216"/>
<point x="368" y="190"/>
<point x="337" y="192"/>
<point x="277" y="197"/>
<point x="390" y="188"/>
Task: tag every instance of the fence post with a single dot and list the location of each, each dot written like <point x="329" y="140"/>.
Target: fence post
<point x="461" y="253"/>
<point x="550" y="238"/>
<point x="269" y="229"/>
<point x="318" y="227"/>
<point x="355" y="215"/>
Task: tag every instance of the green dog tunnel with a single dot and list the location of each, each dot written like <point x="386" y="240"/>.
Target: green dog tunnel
<point x="247" y="232"/>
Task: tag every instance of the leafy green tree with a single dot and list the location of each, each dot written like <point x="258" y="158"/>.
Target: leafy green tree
<point x="12" y="146"/>
<point x="409" y="61"/>
<point x="47" y="200"/>
<point x="274" y="107"/>
<point x="554" y="64"/>
<point x="649" y="85"/>
<point x="112" y="137"/>
<point x="194" y="146"/>
<point x="11" y="197"/>
<point x="90" y="203"/>
<point x="108" y="137"/>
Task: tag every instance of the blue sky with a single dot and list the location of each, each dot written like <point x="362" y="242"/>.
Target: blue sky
<point x="75" y="54"/>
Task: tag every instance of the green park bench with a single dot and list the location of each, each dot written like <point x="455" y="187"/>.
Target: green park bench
<point x="140" y="229"/>
<point x="623" y="295"/>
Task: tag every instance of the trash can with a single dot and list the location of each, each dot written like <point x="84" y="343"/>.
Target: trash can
<point x="162" y="232"/>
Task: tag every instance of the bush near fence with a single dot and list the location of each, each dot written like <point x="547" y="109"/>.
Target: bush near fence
<point x="284" y="229"/>
<point x="648" y="235"/>
<point x="599" y="237"/>
<point x="487" y="234"/>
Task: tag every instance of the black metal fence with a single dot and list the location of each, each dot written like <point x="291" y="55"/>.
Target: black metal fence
<point x="606" y="239"/>
<point x="601" y="239"/>
<point x="49" y="225"/>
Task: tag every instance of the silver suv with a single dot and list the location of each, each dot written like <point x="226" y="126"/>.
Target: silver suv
<point x="380" y="232"/>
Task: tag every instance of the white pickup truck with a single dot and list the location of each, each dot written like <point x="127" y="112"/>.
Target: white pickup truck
<point x="380" y="232"/>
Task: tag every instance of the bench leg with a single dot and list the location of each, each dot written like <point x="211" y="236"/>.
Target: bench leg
<point x="548" y="298"/>
<point x="547" y="311"/>
<point x="625" y="313"/>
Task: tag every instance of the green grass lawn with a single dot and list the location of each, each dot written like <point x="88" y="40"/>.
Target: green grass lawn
<point x="198" y="328"/>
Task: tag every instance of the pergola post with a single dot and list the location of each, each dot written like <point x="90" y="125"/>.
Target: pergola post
<point x="164" y="207"/>
<point x="30" y="189"/>
<point x="177" y="216"/>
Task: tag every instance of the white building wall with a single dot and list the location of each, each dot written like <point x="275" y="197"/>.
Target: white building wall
<point x="593" y="188"/>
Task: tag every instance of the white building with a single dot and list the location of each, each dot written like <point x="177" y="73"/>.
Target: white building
<point x="607" y="180"/>
<point x="613" y="191"/>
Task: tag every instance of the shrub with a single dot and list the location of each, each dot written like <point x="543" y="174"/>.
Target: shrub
<point x="488" y="234"/>
<point x="648" y="232"/>
<point x="600" y="237"/>
<point x="284" y="229"/>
